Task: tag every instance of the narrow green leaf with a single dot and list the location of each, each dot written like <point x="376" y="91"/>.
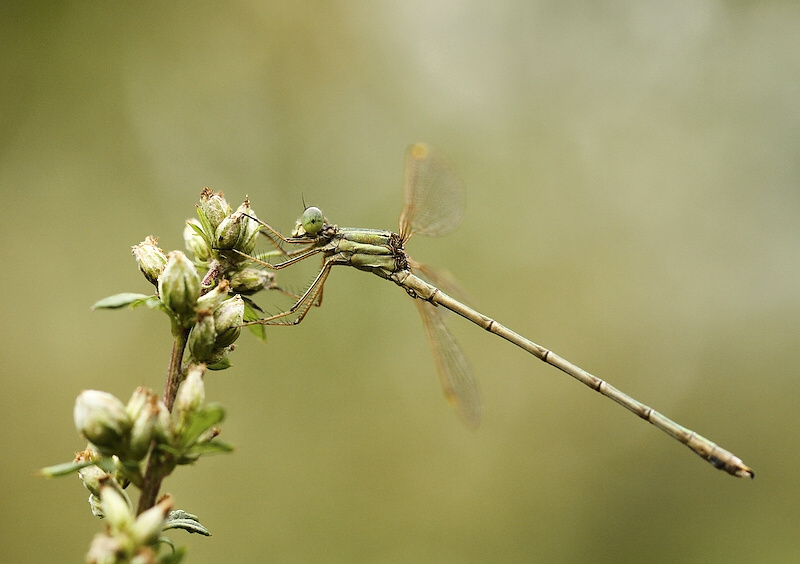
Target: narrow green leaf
<point x="119" y="300"/>
<point x="207" y="230"/>
<point x="153" y="302"/>
<point x="200" y="230"/>
<point x="211" y="447"/>
<point x="64" y="469"/>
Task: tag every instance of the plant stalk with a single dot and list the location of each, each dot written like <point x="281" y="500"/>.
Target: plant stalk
<point x="161" y="463"/>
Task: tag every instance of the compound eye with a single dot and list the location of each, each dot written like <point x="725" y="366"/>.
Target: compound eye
<point x="312" y="220"/>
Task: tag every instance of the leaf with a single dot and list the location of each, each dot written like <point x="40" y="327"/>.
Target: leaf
<point x="64" y="469"/>
<point x="260" y="331"/>
<point x="153" y="302"/>
<point x="211" y="447"/>
<point x="207" y="230"/>
<point x="202" y="420"/>
<point x="200" y="230"/>
<point x="120" y="300"/>
<point x="180" y="519"/>
<point x="221" y="365"/>
<point x="250" y="314"/>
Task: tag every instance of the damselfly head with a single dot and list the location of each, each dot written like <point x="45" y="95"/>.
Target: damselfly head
<point x="311" y="221"/>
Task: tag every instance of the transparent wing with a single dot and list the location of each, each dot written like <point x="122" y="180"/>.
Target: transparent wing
<point x="455" y="373"/>
<point x="433" y="197"/>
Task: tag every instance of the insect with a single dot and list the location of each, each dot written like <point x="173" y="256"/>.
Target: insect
<point x="433" y="205"/>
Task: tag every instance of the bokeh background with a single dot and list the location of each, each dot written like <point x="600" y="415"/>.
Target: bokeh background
<point x="633" y="177"/>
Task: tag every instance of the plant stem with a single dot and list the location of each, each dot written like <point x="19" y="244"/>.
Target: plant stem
<point x="175" y="374"/>
<point x="161" y="463"/>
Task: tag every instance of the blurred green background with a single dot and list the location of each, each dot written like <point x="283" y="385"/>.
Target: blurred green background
<point x="633" y="177"/>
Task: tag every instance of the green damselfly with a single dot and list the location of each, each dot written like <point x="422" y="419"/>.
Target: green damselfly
<point x="433" y="206"/>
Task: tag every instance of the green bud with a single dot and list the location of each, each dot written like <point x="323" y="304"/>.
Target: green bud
<point x="91" y="476"/>
<point x="179" y="284"/>
<point x="138" y="402"/>
<point x="213" y="298"/>
<point x="214" y="206"/>
<point x="143" y="410"/>
<point x="191" y="395"/>
<point x="148" y="525"/>
<point x="195" y="243"/>
<point x="250" y="280"/>
<point x="228" y="319"/>
<point x="150" y="258"/>
<point x="230" y="230"/>
<point x="250" y="228"/>
<point x="116" y="508"/>
<point x="102" y="420"/>
<point x="163" y="428"/>
<point x="203" y="336"/>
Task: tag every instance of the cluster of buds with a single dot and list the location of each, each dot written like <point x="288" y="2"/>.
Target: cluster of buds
<point x="97" y="472"/>
<point x="214" y="318"/>
<point x="120" y="436"/>
<point x="116" y="429"/>
<point x="195" y="293"/>
<point x="126" y="433"/>
<point x="221" y="239"/>
<point x="217" y="325"/>
<point x="128" y="538"/>
<point x="141" y="442"/>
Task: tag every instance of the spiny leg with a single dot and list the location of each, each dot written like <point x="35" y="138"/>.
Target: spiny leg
<point x="302" y="255"/>
<point x="318" y="301"/>
<point x="273" y="286"/>
<point x="278" y="239"/>
<point x="301" y="307"/>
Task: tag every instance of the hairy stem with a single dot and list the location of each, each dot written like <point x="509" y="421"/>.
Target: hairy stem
<point x="161" y="463"/>
<point x="175" y="374"/>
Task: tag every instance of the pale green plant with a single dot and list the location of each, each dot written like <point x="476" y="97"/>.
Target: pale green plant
<point x="140" y="443"/>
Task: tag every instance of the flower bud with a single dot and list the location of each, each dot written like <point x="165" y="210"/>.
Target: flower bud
<point x="148" y="525"/>
<point x="250" y="280"/>
<point x="163" y="428"/>
<point x="214" y="206"/>
<point x="213" y="298"/>
<point x="203" y="336"/>
<point x="150" y="258"/>
<point x="102" y="420"/>
<point x="250" y="228"/>
<point x="91" y="476"/>
<point x="230" y="230"/>
<point x="179" y="284"/>
<point x="191" y="395"/>
<point x="143" y="410"/>
<point x="228" y="319"/>
<point x="116" y="508"/>
<point x="139" y="399"/>
<point x="195" y="243"/>
<point x="106" y="549"/>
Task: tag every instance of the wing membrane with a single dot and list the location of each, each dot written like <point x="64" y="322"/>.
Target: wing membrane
<point x="455" y="373"/>
<point x="433" y="197"/>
